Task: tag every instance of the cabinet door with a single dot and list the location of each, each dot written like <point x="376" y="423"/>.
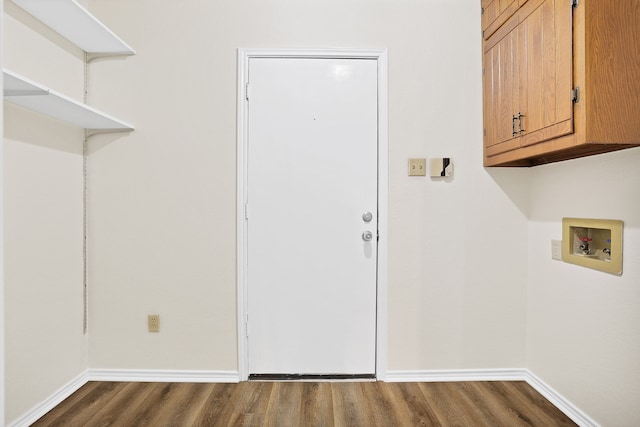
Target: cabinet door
<point x="500" y="93"/>
<point x="545" y="108"/>
<point x="497" y="12"/>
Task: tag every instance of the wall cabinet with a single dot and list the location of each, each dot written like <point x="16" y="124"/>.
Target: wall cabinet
<point x="496" y="12"/>
<point x="554" y="77"/>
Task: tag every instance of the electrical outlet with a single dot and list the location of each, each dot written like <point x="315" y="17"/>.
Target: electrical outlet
<point x="417" y="167"/>
<point x="154" y="323"/>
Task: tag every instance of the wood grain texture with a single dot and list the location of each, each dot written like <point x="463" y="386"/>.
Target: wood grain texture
<point x="495" y="13"/>
<point x="306" y="404"/>
<point x="595" y="47"/>
<point x="612" y="93"/>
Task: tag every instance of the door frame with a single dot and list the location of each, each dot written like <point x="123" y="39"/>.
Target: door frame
<point x="244" y="55"/>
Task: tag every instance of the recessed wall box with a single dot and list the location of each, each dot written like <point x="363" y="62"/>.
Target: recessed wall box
<point x="593" y="243"/>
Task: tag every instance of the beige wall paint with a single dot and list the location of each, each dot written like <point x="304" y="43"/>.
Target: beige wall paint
<point x="471" y="282"/>
<point x="42" y="162"/>
<point x="584" y="325"/>
<point x="162" y="200"/>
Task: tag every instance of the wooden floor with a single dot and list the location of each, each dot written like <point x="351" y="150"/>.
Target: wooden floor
<point x="306" y="404"/>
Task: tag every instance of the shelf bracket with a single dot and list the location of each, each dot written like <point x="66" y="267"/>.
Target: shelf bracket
<point x="91" y="56"/>
<point x="88" y="133"/>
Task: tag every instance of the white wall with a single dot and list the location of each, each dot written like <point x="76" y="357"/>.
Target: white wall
<point x="471" y="283"/>
<point x="42" y="162"/>
<point x="2" y="299"/>
<point x="584" y="325"/>
<point x="162" y="200"/>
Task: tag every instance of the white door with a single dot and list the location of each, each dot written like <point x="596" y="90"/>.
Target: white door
<point x="312" y="193"/>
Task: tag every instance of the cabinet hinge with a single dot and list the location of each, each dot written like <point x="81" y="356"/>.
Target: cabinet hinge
<point x="246" y="91"/>
<point x="482" y="10"/>
<point x="246" y="326"/>
<point x="575" y="95"/>
<point x="574" y="3"/>
<point x="246" y="210"/>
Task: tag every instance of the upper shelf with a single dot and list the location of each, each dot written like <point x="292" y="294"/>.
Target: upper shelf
<point x="76" y="24"/>
<point x="29" y="94"/>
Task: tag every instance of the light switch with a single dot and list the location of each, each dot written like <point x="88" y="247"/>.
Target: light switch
<point x="417" y="167"/>
<point x="440" y="167"/>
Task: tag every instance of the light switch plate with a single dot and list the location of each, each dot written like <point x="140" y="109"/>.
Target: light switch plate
<point x="440" y="167"/>
<point x="417" y="167"/>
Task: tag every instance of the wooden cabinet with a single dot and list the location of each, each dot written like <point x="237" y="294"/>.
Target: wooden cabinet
<point x="533" y="64"/>
<point x="501" y="89"/>
<point x="496" y="12"/>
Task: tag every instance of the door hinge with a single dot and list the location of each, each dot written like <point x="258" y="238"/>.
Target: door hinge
<point x="246" y="210"/>
<point x="482" y="10"/>
<point x="575" y="95"/>
<point x="246" y="326"/>
<point x="574" y="3"/>
<point x="246" y="91"/>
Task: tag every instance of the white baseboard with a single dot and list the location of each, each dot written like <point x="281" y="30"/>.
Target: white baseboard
<point x="569" y="409"/>
<point x="54" y="400"/>
<point x="457" y="375"/>
<point x="152" y="375"/>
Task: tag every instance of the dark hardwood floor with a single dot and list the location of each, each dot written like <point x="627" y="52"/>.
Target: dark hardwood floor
<point x="306" y="404"/>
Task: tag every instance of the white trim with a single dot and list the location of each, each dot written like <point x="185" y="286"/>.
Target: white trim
<point x="160" y="375"/>
<point x="380" y="55"/>
<point x="51" y="402"/>
<point x="569" y="409"/>
<point x="515" y="374"/>
<point x="383" y="229"/>
<point x="2" y="302"/>
<point x="241" y="223"/>
<point x="450" y="375"/>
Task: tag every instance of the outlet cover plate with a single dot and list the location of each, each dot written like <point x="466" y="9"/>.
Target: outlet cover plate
<point x="154" y="322"/>
<point x="417" y="167"/>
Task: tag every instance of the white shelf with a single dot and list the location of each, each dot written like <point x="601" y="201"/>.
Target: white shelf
<point x="76" y="24"/>
<point x="34" y="96"/>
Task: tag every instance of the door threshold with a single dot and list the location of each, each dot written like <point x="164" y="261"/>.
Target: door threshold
<point x="312" y="377"/>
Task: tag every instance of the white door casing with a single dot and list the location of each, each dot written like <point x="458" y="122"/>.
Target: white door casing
<point x="276" y="73"/>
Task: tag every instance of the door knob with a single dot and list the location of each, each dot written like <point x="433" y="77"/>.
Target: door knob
<point x="367" y="216"/>
<point x="367" y="236"/>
